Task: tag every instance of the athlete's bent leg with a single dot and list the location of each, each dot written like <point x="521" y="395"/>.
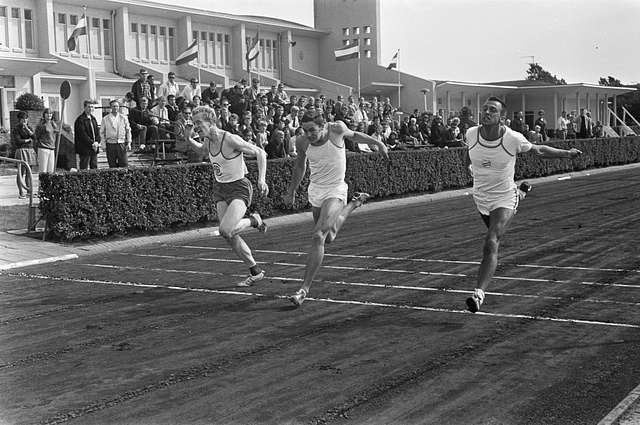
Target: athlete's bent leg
<point x="341" y="217"/>
<point x="231" y="224"/>
<point x="499" y="220"/>
<point x="324" y="217"/>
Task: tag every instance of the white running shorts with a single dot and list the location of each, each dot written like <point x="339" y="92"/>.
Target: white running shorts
<point x="319" y="194"/>
<point x="488" y="203"/>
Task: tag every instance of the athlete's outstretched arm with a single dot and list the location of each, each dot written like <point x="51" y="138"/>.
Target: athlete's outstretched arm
<point x="358" y="137"/>
<point x="549" y="152"/>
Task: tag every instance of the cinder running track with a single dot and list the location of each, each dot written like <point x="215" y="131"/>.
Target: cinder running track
<point x="161" y="335"/>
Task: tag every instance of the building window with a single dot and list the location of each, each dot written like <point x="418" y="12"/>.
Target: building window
<point x="354" y="41"/>
<point x="268" y="58"/>
<point x="16" y="28"/>
<point x="345" y="42"/>
<point x="144" y="41"/>
<point x="28" y="29"/>
<point x="153" y="42"/>
<point x="162" y="44"/>
<point x="367" y="29"/>
<point x="106" y="37"/>
<point x="346" y="32"/>
<point x="356" y="30"/>
<point x="4" y="28"/>
<point x="367" y="42"/>
<point x="367" y="53"/>
<point x="227" y="50"/>
<point x="172" y="44"/>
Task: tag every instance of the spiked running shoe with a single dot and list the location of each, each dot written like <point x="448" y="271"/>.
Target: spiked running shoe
<point x="360" y="198"/>
<point x="298" y="298"/>
<point x="251" y="279"/>
<point x="475" y="301"/>
<point x="259" y="223"/>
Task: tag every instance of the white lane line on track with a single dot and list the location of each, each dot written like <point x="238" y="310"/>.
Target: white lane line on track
<point x="326" y="300"/>
<point x="373" y="269"/>
<point x="370" y="285"/>
<point x="417" y="260"/>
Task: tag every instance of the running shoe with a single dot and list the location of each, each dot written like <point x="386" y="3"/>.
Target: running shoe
<point x="298" y="297"/>
<point x="475" y="301"/>
<point x="360" y="198"/>
<point x="523" y="189"/>
<point x="251" y="279"/>
<point x="260" y="224"/>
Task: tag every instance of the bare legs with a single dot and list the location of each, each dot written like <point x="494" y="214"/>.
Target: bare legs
<point x="499" y="220"/>
<point x="231" y="224"/>
<point x="328" y="219"/>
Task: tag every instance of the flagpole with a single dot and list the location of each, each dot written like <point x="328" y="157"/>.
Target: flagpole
<point x="358" y="70"/>
<point x="92" y="81"/>
<point x="398" y="68"/>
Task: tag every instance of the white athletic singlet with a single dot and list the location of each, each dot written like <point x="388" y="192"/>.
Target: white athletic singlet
<point x="327" y="163"/>
<point x="225" y="169"/>
<point x="494" y="162"/>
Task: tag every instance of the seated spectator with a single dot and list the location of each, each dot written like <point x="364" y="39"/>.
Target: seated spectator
<point x="393" y="142"/>
<point x="233" y="126"/>
<point x="455" y="135"/>
<point x="160" y="116"/>
<point x="172" y="108"/>
<point x="276" y="147"/>
<point x="210" y="94"/>
<point x="196" y="101"/>
<point x="281" y="95"/>
<point x="439" y="133"/>
<point x="410" y="133"/>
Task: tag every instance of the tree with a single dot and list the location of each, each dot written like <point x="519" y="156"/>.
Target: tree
<point x="538" y="73"/>
<point x="610" y="81"/>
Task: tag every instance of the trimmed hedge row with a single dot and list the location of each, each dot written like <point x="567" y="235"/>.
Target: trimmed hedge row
<point x="99" y="203"/>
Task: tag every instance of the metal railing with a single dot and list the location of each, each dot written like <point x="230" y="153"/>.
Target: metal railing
<point x="28" y="185"/>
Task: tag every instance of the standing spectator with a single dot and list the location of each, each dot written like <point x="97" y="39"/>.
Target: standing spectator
<point x="571" y="125"/>
<point x="585" y="125"/>
<point x="46" y="142"/>
<point x="23" y="137"/>
<point x="141" y="87"/>
<point x="210" y="94"/>
<point x="152" y="90"/>
<point x="127" y="104"/>
<point x="252" y="93"/>
<point x="237" y="102"/>
<point x="360" y="114"/>
<point x="518" y="123"/>
<point x="116" y="135"/>
<point x="387" y="108"/>
<point x="598" y="131"/>
<point x="191" y="90"/>
<point x="534" y="136"/>
<point x="562" y="126"/>
<point x="272" y="96"/>
<point x="87" y="136"/>
<point x="169" y="87"/>
<point x="542" y="122"/>
<point x="281" y="95"/>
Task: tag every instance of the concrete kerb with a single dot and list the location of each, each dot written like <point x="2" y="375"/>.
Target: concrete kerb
<point x="75" y="251"/>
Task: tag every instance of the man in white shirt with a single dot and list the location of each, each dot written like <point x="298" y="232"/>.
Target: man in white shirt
<point x="115" y="132"/>
<point x="193" y="89"/>
<point x="492" y="150"/>
<point x="169" y="87"/>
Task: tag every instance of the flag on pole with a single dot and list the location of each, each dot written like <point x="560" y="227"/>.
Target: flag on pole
<point x="351" y="51"/>
<point x="253" y="50"/>
<point x="394" y="61"/>
<point x="80" y="29"/>
<point x="189" y="54"/>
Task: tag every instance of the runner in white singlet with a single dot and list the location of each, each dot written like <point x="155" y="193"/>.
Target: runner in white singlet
<point x="232" y="191"/>
<point x="492" y="150"/>
<point x="323" y="146"/>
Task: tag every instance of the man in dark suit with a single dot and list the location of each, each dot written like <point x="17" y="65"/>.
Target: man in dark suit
<point x="87" y="137"/>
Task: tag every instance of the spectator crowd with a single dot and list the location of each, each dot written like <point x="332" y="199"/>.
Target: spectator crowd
<point x="151" y="116"/>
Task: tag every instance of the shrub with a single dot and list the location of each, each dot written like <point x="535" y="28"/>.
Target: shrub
<point x="29" y="102"/>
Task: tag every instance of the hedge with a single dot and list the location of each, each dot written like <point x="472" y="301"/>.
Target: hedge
<point x="99" y="203"/>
